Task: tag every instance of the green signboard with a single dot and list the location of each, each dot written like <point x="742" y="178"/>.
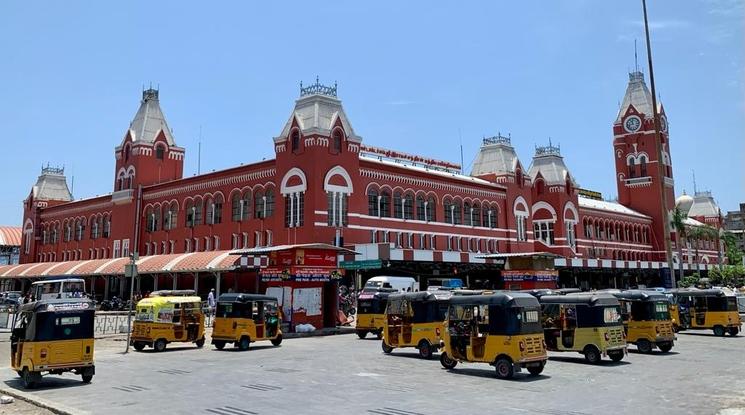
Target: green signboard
<point x="366" y="264"/>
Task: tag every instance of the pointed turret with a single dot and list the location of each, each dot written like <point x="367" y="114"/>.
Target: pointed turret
<point x="149" y="120"/>
<point x="550" y="165"/>
<point x="638" y="96"/>
<point x="51" y="185"/>
<point x="496" y="156"/>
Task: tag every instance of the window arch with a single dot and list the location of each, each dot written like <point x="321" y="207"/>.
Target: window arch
<point x="431" y="209"/>
<point x="457" y="212"/>
<point x="520" y="210"/>
<point x="373" y="208"/>
<point x="632" y="167"/>
<point x="385" y="204"/>
<point x="447" y="205"/>
<point x="398" y="210"/>
<point x="408" y="203"/>
<point x="295" y="140"/>
<point x="214" y="209"/>
<point x="643" y="166"/>
<point x="421" y="212"/>
<point x="336" y="141"/>
<point x="106" y="226"/>
<point x="160" y="151"/>
<point x="170" y="215"/>
<point x="468" y="217"/>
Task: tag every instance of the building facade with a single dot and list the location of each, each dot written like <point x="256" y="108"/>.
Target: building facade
<point x="326" y="185"/>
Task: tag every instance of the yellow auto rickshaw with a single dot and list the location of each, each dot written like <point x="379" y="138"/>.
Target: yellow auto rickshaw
<point x="588" y="323"/>
<point x="502" y="329"/>
<point x="168" y="317"/>
<point x="242" y="319"/>
<point x="415" y="320"/>
<point x="710" y="309"/>
<point x="646" y="318"/>
<point x="371" y="311"/>
<point x="53" y="336"/>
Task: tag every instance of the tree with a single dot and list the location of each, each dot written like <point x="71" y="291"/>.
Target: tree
<point x="678" y="223"/>
<point x="690" y="281"/>
<point x="732" y="251"/>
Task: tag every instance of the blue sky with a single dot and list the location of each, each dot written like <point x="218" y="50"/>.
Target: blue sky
<point x="412" y="76"/>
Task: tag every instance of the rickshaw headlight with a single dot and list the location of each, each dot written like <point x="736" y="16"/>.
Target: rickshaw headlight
<point x="607" y="336"/>
<point x="43" y="353"/>
<point x="437" y="331"/>
<point x="657" y="329"/>
<point x="50" y="307"/>
<point x="522" y="346"/>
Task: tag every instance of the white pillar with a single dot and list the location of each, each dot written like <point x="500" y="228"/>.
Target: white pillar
<point x="333" y="208"/>
<point x="425" y="211"/>
<point x="292" y="209"/>
<point x="341" y="208"/>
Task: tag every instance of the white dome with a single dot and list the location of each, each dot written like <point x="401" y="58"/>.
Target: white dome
<point x="684" y="203"/>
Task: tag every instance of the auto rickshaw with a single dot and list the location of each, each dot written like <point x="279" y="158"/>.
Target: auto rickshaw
<point x="53" y="336"/>
<point x="588" y="323"/>
<point x="710" y="309"/>
<point x="646" y="318"/>
<point x="371" y="311"/>
<point x="168" y="317"/>
<point x="415" y="320"/>
<point x="502" y="329"/>
<point x="242" y="319"/>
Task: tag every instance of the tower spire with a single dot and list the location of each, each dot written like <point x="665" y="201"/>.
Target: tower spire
<point x="695" y="188"/>
<point x="636" y="59"/>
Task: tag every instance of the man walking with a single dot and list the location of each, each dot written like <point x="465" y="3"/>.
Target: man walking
<point x="211" y="302"/>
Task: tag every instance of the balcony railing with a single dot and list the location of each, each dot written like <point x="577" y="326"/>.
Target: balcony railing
<point x="638" y="181"/>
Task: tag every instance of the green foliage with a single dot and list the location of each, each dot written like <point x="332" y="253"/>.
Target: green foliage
<point x="734" y="254"/>
<point x="690" y="280"/>
<point x="728" y="275"/>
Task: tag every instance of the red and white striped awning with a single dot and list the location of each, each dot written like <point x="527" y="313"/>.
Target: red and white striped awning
<point x="10" y="236"/>
<point x="211" y="261"/>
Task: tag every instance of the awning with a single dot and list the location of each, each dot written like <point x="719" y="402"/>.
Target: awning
<point x="211" y="261"/>
<point x="263" y="250"/>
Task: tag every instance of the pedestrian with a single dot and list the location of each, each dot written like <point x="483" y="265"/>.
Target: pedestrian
<point x="211" y="301"/>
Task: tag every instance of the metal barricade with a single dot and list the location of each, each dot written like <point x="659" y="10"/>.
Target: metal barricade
<point x="110" y="324"/>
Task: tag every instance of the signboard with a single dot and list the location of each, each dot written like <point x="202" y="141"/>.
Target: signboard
<point x="321" y="274"/>
<point x="311" y="257"/>
<point x="590" y="194"/>
<point x="529" y="275"/>
<point x="366" y="264"/>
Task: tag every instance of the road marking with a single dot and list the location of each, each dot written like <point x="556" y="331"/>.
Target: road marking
<point x="392" y="411"/>
<point x="262" y="387"/>
<point x="230" y="410"/>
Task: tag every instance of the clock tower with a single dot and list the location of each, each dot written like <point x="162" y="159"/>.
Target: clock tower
<point x="637" y="175"/>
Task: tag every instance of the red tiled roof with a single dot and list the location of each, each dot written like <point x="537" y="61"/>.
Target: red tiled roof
<point x="10" y="236"/>
<point x="192" y="262"/>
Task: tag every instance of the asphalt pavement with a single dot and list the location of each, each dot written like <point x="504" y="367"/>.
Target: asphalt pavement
<point x="343" y="374"/>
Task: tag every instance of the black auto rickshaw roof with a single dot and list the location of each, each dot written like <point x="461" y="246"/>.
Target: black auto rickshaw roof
<point x="59" y="304"/>
<point x="709" y="292"/>
<point x="591" y="299"/>
<point x="504" y="299"/>
<point x="640" y="295"/>
<point x="243" y="298"/>
<point x="173" y="293"/>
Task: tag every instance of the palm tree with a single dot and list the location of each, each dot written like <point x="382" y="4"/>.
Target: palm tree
<point x="697" y="233"/>
<point x="678" y="223"/>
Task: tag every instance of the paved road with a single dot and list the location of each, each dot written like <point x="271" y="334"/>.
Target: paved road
<point x="342" y="374"/>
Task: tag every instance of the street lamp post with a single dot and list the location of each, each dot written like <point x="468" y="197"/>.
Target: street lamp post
<point x="660" y="161"/>
<point x="130" y="271"/>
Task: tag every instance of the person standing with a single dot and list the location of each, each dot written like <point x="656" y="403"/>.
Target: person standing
<point x="211" y="301"/>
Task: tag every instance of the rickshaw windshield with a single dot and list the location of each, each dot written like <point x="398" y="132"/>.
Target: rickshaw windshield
<point x="460" y="312"/>
<point x="650" y="311"/>
<point x="398" y="307"/>
<point x="64" y="326"/>
<point x="612" y="316"/>
<point x="371" y="306"/>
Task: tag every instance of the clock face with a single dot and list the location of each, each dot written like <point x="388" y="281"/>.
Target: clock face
<point x="663" y="124"/>
<point x="632" y="123"/>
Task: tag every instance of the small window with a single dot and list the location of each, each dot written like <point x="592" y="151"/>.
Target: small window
<point x="160" y="152"/>
<point x="295" y="141"/>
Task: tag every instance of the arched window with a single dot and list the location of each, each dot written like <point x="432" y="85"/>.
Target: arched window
<point x="106" y="226"/>
<point x="373" y="208"/>
<point x="336" y="140"/>
<point x="55" y="234"/>
<point x="190" y="211"/>
<point x="431" y="209"/>
<point x="398" y="209"/>
<point x="457" y="213"/>
<point x="126" y="153"/>
<point x="270" y="203"/>
<point x="259" y="203"/>
<point x="447" y="205"/>
<point x="643" y="166"/>
<point x="476" y="214"/>
<point x="385" y="204"/>
<point x="519" y="177"/>
<point x="150" y="224"/>
<point x="295" y="141"/>
<point x="467" y="214"/>
<point x="160" y="152"/>
<point x="540" y="186"/>
<point x="408" y="206"/>
<point x="421" y="213"/>
<point x="170" y="218"/>
<point x="632" y="168"/>
<point x="214" y="210"/>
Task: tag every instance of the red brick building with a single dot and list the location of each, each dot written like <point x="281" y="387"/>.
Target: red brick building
<point x="414" y="214"/>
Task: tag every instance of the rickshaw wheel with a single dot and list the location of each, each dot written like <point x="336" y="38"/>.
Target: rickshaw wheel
<point x="425" y="350"/>
<point x="160" y="345"/>
<point x="592" y="354"/>
<point x="29" y="378"/>
<point x="504" y="368"/>
<point x="277" y="340"/>
<point x="536" y="370"/>
<point x="244" y="343"/>
<point x="447" y="362"/>
<point x="719" y="331"/>
<point x="219" y="345"/>
<point x="616" y="355"/>
<point x="361" y="334"/>
<point x="200" y="342"/>
<point x="379" y="334"/>
<point x="139" y="346"/>
<point x="386" y="349"/>
<point x="733" y="331"/>
<point x="665" y="346"/>
<point x="644" y="346"/>
<point x="87" y="378"/>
